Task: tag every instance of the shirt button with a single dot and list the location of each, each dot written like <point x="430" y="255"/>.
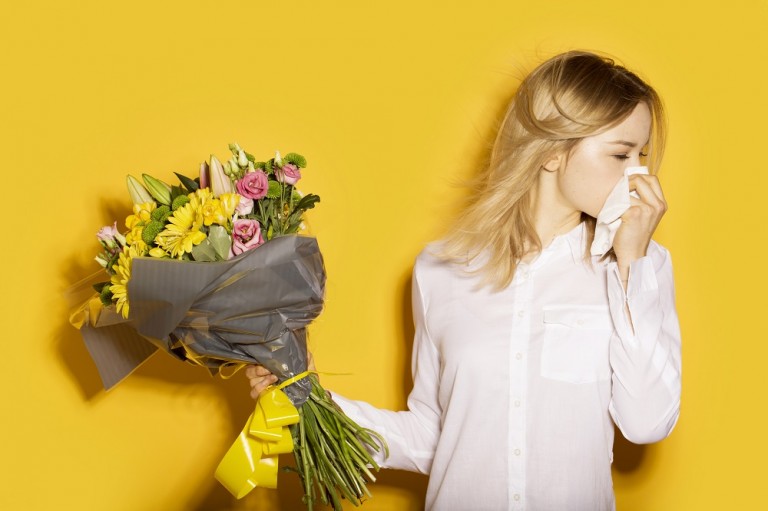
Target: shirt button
<point x="516" y="496"/>
<point x="521" y="313"/>
<point x="518" y="355"/>
<point x="579" y="321"/>
<point x="517" y="452"/>
<point x="517" y="403"/>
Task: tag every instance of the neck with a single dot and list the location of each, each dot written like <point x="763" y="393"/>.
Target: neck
<point x="552" y="217"/>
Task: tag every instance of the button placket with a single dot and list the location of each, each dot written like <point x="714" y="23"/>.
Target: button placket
<point x="518" y="378"/>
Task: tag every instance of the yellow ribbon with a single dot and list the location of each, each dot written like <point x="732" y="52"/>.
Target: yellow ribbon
<point x="252" y="459"/>
<point x="88" y="312"/>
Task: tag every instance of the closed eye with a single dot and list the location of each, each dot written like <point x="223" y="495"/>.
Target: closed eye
<point x="626" y="156"/>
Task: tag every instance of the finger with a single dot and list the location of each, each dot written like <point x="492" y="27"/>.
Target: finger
<point x="646" y="192"/>
<point x="262" y="385"/>
<point x="636" y="202"/>
<point x="656" y="185"/>
<point x="263" y="380"/>
<point x="256" y="370"/>
<point x="639" y="213"/>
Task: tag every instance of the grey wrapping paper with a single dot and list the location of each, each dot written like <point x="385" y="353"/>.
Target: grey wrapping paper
<point x="253" y="308"/>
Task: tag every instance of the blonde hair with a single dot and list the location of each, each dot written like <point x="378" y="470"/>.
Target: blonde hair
<point x="570" y="96"/>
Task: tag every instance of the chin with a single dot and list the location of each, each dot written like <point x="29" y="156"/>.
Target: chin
<point x="591" y="211"/>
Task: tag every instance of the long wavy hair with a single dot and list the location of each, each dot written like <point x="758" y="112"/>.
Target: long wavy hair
<point x="568" y="97"/>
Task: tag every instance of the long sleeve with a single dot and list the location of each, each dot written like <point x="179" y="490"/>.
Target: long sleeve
<point x="516" y="391"/>
<point x="646" y="364"/>
<point x="411" y="435"/>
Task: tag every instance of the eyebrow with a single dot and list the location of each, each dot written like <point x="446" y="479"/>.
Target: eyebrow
<point x="623" y="142"/>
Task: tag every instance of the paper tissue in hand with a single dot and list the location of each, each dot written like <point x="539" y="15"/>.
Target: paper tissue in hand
<point x="609" y="218"/>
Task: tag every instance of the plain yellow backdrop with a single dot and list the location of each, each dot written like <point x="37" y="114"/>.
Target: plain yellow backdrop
<point x="392" y="103"/>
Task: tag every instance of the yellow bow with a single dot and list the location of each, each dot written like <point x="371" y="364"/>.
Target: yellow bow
<point x="252" y="459"/>
<point x="87" y="312"/>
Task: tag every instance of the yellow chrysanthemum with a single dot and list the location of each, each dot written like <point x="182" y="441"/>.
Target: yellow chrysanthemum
<point x="158" y="252"/>
<point x="140" y="248"/>
<point x="141" y="214"/>
<point x="119" y="281"/>
<point x="212" y="212"/>
<point x="229" y="202"/>
<point x="182" y="232"/>
<point x="136" y="222"/>
<point x="200" y="197"/>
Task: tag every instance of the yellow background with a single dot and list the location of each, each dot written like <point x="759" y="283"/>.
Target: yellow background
<point x="392" y="103"/>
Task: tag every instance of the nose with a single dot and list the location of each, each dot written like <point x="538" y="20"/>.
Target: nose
<point x="635" y="160"/>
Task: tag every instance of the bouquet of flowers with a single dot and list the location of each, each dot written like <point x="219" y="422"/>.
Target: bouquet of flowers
<point x="212" y="271"/>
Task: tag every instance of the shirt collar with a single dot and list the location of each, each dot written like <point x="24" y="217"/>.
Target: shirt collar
<point x="576" y="239"/>
<point x="571" y="242"/>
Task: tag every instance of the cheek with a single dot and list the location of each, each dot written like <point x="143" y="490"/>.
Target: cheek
<point x="586" y="191"/>
<point x="593" y="200"/>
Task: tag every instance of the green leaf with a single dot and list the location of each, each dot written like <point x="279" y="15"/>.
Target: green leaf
<point x="105" y="295"/>
<point x="177" y="191"/>
<point x="112" y="261"/>
<point x="220" y="241"/>
<point x="98" y="287"/>
<point x="307" y="202"/>
<point x="260" y="165"/>
<point x="250" y="157"/>
<point x="204" y="251"/>
<point x="188" y="183"/>
<point x="296" y="159"/>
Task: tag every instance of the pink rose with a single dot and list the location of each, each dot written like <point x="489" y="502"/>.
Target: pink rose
<point x="245" y="206"/>
<point x="288" y="174"/>
<point x="246" y="234"/>
<point x="253" y="185"/>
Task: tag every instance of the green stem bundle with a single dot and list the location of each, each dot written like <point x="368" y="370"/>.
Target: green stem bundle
<point x="332" y="452"/>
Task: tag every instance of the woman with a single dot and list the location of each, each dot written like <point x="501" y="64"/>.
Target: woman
<point x="528" y="349"/>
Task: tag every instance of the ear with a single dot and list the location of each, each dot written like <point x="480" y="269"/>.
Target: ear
<point x="554" y="163"/>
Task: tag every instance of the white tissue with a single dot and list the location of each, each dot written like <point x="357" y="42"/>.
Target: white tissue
<point x="609" y="218"/>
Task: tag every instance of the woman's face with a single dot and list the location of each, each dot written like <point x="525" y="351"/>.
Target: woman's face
<point x="597" y="163"/>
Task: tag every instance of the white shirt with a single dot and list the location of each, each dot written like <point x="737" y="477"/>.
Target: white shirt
<point x="516" y="392"/>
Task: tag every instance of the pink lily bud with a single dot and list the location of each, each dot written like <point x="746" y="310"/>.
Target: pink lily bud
<point x="205" y="175"/>
<point x="220" y="182"/>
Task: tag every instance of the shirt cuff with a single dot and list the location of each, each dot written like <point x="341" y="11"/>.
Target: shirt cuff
<point x="641" y="296"/>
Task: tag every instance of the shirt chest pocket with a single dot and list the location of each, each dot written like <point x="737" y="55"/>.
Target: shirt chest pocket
<point x="576" y="343"/>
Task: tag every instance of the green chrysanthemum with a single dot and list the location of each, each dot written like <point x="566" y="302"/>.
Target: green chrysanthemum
<point x="274" y="190"/>
<point x="296" y="159"/>
<point x="150" y="231"/>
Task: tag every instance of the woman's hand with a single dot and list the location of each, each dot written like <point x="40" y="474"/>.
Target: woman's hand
<point x="639" y="222"/>
<point x="260" y="378"/>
